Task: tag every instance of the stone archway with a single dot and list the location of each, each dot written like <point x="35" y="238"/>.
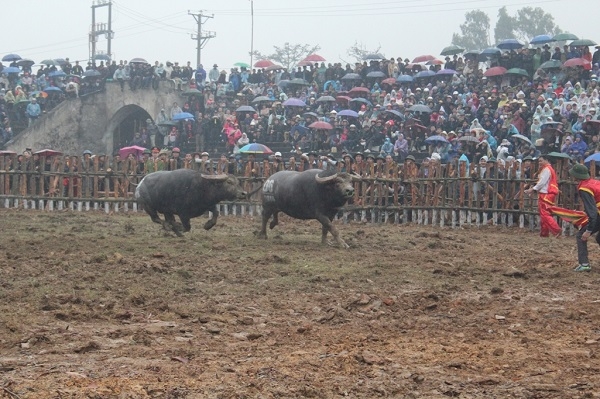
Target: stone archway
<point x="124" y="124"/>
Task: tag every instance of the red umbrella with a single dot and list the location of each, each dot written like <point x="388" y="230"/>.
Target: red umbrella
<point x="6" y="152"/>
<point x="321" y="125"/>
<point x="47" y="153"/>
<point x="342" y="98"/>
<point x="314" y="58"/>
<point x="575" y="62"/>
<point x="263" y="64"/>
<point x="305" y="63"/>
<point x="423" y="58"/>
<point x="359" y="91"/>
<point x="134" y="149"/>
<point x="389" y="81"/>
<point x="412" y="65"/>
<point x="495" y="71"/>
<point x="273" y="67"/>
<point x="435" y="62"/>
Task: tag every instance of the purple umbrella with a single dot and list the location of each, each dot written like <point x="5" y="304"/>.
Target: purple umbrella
<point x="446" y="72"/>
<point x="348" y="112"/>
<point x="294" y="102"/>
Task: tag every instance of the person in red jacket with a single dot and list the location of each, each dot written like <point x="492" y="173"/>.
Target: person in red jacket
<point x="589" y="192"/>
<point x="547" y="188"/>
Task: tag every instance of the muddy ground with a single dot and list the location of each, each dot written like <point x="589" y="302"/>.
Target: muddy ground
<point x="110" y="306"/>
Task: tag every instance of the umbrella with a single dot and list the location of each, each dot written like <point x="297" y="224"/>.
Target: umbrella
<point x="167" y="123"/>
<point x="359" y="91"/>
<point x="592" y="126"/>
<point x="304" y="63"/>
<point x="468" y="139"/>
<point x="47" y="153"/>
<point x="583" y="42"/>
<point x="348" y="112"/>
<point x="310" y="114"/>
<point x="436" y="138"/>
<point x="191" y="92"/>
<point x="134" y="149"/>
<point x="294" y="102"/>
<point x="559" y="155"/>
<point x="182" y="116"/>
<point x="321" y="125"/>
<point x="495" y="71"/>
<point x="361" y="100"/>
<point x="48" y="62"/>
<point x="420" y="108"/>
<point x="25" y="62"/>
<point x="510" y="44"/>
<point x="452" y="50"/>
<point x="91" y="73"/>
<point x="138" y="61"/>
<point x="244" y="108"/>
<point x="11" y="70"/>
<point x="273" y="67"/>
<point x="395" y="113"/>
<point x="423" y="58"/>
<point x="573" y="62"/>
<point x="299" y="81"/>
<point x="343" y="98"/>
<point x="11" y="57"/>
<point x="373" y="56"/>
<point x="424" y="74"/>
<point x="434" y="62"/>
<point x="255" y="148"/>
<point x="376" y="74"/>
<point x="325" y="99"/>
<point x="518" y="71"/>
<point x="521" y="137"/>
<point x="594" y="157"/>
<point x="446" y="72"/>
<point x="7" y="152"/>
<point x="314" y="58"/>
<point x="241" y="65"/>
<point x="473" y="53"/>
<point x="404" y="78"/>
<point x="351" y="76"/>
<point x="491" y="52"/>
<point x="389" y="81"/>
<point x="561" y="37"/>
<point x="261" y="98"/>
<point x="263" y="63"/>
<point x="102" y="57"/>
<point x="541" y="39"/>
<point x="38" y="93"/>
<point x="60" y="61"/>
<point x="57" y="74"/>
<point x="551" y="64"/>
<point x="50" y="89"/>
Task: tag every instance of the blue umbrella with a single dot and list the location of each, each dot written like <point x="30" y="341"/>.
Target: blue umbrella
<point x="52" y="88"/>
<point x="425" y="74"/>
<point x="594" y="157"/>
<point x="405" y="78"/>
<point x="91" y="73"/>
<point x="294" y="102"/>
<point x="57" y="73"/>
<point x="510" y="44"/>
<point x="361" y="100"/>
<point x="541" y="39"/>
<point x="491" y="52"/>
<point x="395" y="113"/>
<point x="348" y="112"/>
<point x="11" y="57"/>
<point x="11" y="70"/>
<point x="182" y="116"/>
<point x="436" y="138"/>
<point x="373" y="56"/>
<point x="376" y="74"/>
<point x="446" y="72"/>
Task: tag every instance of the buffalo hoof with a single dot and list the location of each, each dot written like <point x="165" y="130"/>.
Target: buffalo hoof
<point x="272" y="224"/>
<point x="209" y="225"/>
<point x="261" y="236"/>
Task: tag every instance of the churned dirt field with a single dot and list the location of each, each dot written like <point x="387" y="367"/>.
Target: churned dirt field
<point x="110" y="306"/>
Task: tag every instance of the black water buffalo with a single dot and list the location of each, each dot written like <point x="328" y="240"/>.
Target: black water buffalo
<point x="311" y="194"/>
<point x="186" y="193"/>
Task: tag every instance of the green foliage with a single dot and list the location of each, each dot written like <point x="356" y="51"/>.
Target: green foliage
<point x="287" y="55"/>
<point x="474" y="32"/>
<point x="527" y="23"/>
<point x="505" y="26"/>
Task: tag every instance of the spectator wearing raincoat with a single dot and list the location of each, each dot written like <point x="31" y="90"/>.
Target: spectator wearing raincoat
<point x="387" y="148"/>
<point x="401" y="148"/>
<point x="578" y="148"/>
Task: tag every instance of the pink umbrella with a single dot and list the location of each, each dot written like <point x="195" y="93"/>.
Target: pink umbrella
<point x="134" y="149"/>
<point x="47" y="153"/>
<point x="314" y="58"/>
<point x="263" y="64"/>
<point x="573" y="62"/>
<point x="321" y="125"/>
<point x="389" y="81"/>
<point x="305" y="63"/>
<point x="495" y="71"/>
<point x="423" y="58"/>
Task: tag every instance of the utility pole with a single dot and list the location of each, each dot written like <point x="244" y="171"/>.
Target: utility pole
<point x="101" y="28"/>
<point x="201" y="37"/>
<point x="252" y="33"/>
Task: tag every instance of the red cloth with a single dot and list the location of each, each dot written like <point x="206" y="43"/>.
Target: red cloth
<point x="548" y="224"/>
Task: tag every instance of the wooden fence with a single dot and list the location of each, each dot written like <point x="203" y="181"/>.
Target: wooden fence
<point x="447" y="195"/>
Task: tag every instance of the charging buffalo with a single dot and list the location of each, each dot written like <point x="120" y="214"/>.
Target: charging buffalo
<point x="187" y="194"/>
<point x="312" y="194"/>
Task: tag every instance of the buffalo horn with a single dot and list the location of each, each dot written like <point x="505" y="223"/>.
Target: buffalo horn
<point x="327" y="179"/>
<point x="221" y="177"/>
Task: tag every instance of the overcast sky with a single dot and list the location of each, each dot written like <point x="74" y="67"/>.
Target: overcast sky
<point x="160" y="29"/>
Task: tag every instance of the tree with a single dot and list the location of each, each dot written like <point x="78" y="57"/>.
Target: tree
<point x="474" y="32"/>
<point x="287" y="55"/>
<point x="531" y="22"/>
<point x="358" y="51"/>
<point x="505" y="26"/>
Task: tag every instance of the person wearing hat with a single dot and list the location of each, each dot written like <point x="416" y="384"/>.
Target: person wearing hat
<point x="155" y="163"/>
<point x="33" y="110"/>
<point x="547" y="189"/>
<point x="589" y="193"/>
<point x="176" y="162"/>
<point x="278" y="163"/>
